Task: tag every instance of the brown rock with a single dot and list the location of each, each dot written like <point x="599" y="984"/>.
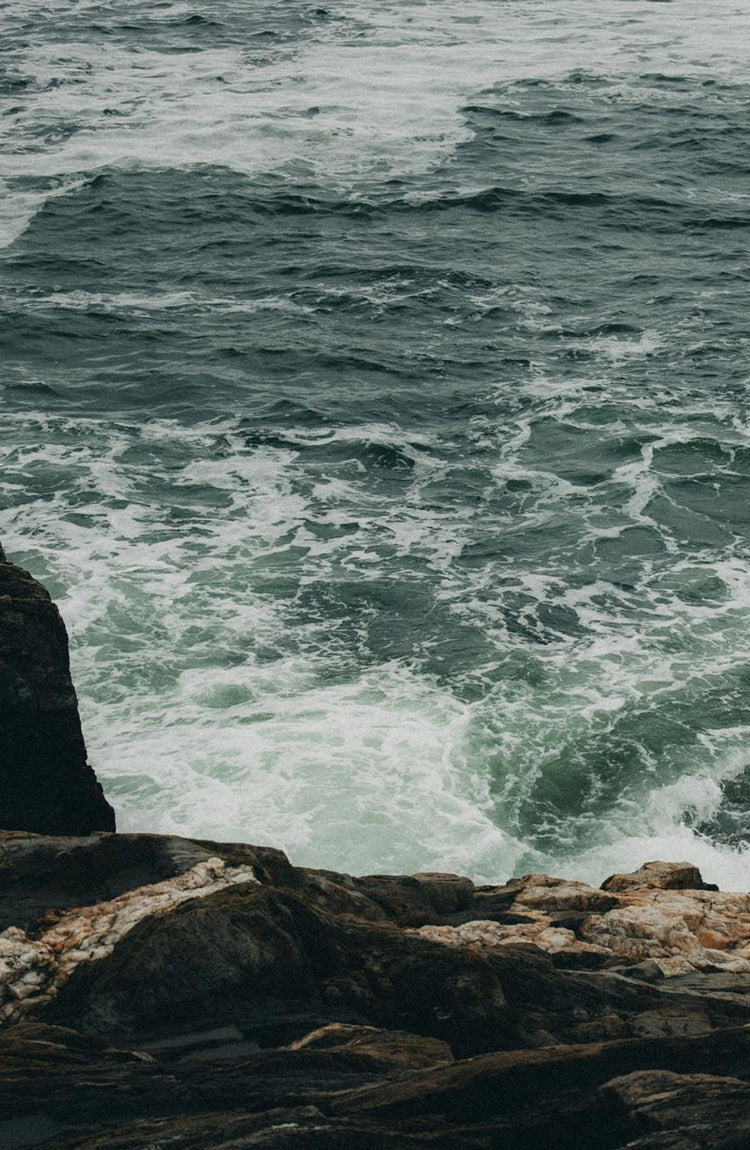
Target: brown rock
<point x="512" y="1081"/>
<point x="681" y="930"/>
<point x="659" y="876"/>
<point x="553" y="895"/>
<point x="411" y="900"/>
<point x="257" y="953"/>
<point x="39" y="873"/>
<point x="678" y="928"/>
<point x="393" y="1049"/>
<point x="691" y="1110"/>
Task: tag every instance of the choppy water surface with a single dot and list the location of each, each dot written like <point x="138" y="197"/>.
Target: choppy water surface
<point x="374" y="401"/>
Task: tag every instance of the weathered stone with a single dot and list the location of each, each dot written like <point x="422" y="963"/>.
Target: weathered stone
<point x="32" y="969"/>
<point x="392" y="1049"/>
<point x="659" y="876"/>
<point x="235" y="993"/>
<point x="512" y="1081"/>
<point x="676" y="929"/>
<point x="693" y="1110"/>
<point x="40" y="872"/>
<point x="552" y="895"/>
<point x="255" y="952"/>
<point x="411" y="900"/>
<point x="46" y="783"/>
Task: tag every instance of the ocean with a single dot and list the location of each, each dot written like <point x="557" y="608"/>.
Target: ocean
<point x="374" y="401"/>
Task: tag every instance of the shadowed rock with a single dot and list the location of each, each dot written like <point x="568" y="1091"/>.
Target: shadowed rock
<point x="46" y="783"/>
<point x="217" y="996"/>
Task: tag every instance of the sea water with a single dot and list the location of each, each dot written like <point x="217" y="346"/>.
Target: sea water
<point x="374" y="402"/>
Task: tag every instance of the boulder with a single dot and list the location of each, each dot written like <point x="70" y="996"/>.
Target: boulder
<point x="683" y="1111"/>
<point x="261" y="953"/>
<point x="46" y="783"/>
<point x="39" y="873"/>
<point x="659" y="876"/>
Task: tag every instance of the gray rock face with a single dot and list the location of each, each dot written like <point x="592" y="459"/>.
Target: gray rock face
<point x="46" y="784"/>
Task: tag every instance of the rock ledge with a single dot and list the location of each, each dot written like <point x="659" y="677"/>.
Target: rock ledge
<point x="220" y="997"/>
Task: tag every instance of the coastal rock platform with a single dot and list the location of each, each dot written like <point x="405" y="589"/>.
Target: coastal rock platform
<point x="158" y="991"/>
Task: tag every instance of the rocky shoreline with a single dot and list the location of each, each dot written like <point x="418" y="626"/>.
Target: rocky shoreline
<point x="157" y="991"/>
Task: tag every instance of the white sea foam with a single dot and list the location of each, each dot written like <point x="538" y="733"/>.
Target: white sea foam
<point x="212" y="703"/>
<point x="371" y="94"/>
<point x="208" y="735"/>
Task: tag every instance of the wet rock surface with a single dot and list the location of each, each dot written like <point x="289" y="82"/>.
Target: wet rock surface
<point x="217" y="996"/>
<point x="46" y="783"/>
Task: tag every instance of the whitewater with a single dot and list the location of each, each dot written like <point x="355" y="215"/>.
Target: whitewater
<point x="375" y="405"/>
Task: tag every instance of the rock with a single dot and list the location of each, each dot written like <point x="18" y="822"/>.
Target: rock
<point x="300" y="1128"/>
<point x="552" y="895"/>
<point x="42" y="872"/>
<point x="200" y="943"/>
<point x="263" y="955"/>
<point x="34" y="967"/>
<point x="681" y="930"/>
<point x="257" y="953"/>
<point x="694" y="1110"/>
<point x="46" y="783"/>
<point x="511" y="1082"/>
<point x="214" y="991"/>
<point x="677" y="929"/>
<point x="55" y="1080"/>
<point x="391" y="1049"/>
<point x="411" y="900"/>
<point x="560" y="1098"/>
<point x="487" y="936"/>
<point x="659" y="876"/>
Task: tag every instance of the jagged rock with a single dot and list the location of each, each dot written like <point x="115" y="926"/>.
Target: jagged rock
<point x="46" y="783"/>
<point x="33" y="968"/>
<point x="678" y="929"/>
<point x="511" y="1082"/>
<point x="659" y="876"/>
<point x="40" y="872"/>
<point x="692" y="1110"/>
<point x="253" y="952"/>
<point x="301" y="1128"/>
<point x="218" y="996"/>
<point x="681" y="930"/>
<point x="206" y="944"/>
<point x="561" y="1098"/>
<point x="54" y="1079"/>
<point x="411" y="900"/>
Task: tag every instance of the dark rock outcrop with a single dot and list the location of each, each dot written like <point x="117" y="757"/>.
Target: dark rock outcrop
<point x="165" y="992"/>
<point x="46" y="783"/>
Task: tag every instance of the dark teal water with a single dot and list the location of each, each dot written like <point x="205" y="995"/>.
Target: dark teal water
<point x="374" y="400"/>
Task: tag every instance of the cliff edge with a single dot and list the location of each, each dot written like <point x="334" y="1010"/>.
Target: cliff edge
<point x="166" y="992"/>
<point x="46" y="783"/>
